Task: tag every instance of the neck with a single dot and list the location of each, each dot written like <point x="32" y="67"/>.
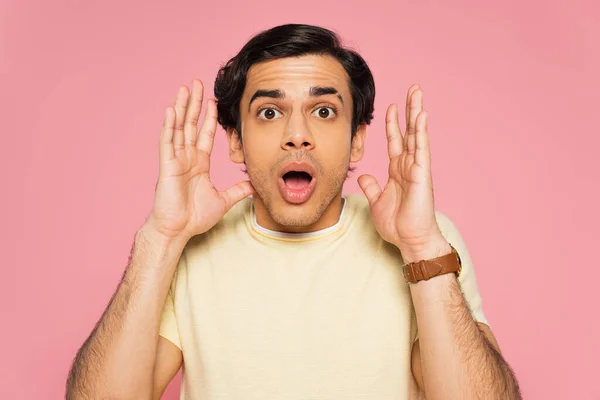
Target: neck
<point x="330" y="217"/>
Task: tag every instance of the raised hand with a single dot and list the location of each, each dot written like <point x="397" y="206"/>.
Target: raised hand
<point x="186" y="203"/>
<point x="403" y="212"/>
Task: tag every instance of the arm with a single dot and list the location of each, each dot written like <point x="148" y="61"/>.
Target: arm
<point x="123" y="357"/>
<point x="456" y="360"/>
<point x="168" y="361"/>
<point x="416" y="365"/>
<point x="451" y="340"/>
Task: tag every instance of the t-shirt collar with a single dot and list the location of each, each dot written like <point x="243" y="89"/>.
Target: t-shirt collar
<point x="294" y="235"/>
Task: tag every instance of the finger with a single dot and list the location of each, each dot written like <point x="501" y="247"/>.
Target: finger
<point x="370" y="188"/>
<point x="422" y="154"/>
<point x="236" y="193"/>
<point x="416" y="105"/>
<point x="192" y="115"/>
<point x="206" y="138"/>
<point x="165" y="146"/>
<point x="180" y="109"/>
<point x="411" y="89"/>
<point x="392" y="130"/>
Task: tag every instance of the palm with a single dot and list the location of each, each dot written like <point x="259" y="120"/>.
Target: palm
<point x="186" y="202"/>
<point x="403" y="211"/>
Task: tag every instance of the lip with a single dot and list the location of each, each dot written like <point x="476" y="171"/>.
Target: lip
<point x="297" y="196"/>
<point x="300" y="166"/>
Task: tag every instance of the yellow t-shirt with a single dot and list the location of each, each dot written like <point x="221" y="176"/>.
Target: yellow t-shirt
<point x="325" y="315"/>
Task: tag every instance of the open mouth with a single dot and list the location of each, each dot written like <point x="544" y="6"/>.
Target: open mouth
<point x="296" y="186"/>
<point x="297" y="180"/>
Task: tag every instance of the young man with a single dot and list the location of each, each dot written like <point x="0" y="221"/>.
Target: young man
<point x="281" y="287"/>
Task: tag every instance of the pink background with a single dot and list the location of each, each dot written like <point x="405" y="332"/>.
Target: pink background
<point x="512" y="92"/>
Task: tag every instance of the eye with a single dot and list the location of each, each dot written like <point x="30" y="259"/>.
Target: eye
<point x="268" y="113"/>
<point x="325" y="112"/>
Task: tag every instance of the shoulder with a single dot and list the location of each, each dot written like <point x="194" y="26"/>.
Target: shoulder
<point x="234" y="220"/>
<point x="444" y="222"/>
<point x="358" y="206"/>
<point x="365" y="238"/>
<point x="219" y="240"/>
<point x="358" y="212"/>
<point x="449" y="228"/>
<point x="359" y="220"/>
<point x="236" y="216"/>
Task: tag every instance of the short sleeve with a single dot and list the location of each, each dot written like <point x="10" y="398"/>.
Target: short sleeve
<point x="168" y="323"/>
<point x="467" y="279"/>
<point x="169" y="328"/>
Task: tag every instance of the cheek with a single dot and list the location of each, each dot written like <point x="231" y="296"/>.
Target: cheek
<point x="260" y="152"/>
<point x="335" y="146"/>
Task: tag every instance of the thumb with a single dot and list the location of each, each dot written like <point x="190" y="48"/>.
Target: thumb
<point x="236" y="193"/>
<point x="370" y="187"/>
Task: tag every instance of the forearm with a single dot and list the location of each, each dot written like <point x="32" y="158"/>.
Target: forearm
<point x="117" y="359"/>
<point x="457" y="360"/>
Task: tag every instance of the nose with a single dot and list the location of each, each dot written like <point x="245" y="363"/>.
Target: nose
<point x="298" y="135"/>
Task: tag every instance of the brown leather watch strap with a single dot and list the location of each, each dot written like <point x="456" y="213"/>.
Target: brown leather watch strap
<point x="427" y="269"/>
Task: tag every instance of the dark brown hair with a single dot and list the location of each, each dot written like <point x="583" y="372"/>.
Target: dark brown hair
<point x="292" y="40"/>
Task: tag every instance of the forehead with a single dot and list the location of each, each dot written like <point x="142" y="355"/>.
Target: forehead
<point x="297" y="75"/>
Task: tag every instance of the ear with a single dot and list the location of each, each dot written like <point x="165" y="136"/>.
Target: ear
<point x="236" y="153"/>
<point x="358" y="144"/>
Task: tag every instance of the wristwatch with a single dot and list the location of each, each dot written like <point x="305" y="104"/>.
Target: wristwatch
<point x="427" y="269"/>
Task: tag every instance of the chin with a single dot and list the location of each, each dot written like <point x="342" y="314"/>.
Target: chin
<point x="295" y="215"/>
<point x="294" y="212"/>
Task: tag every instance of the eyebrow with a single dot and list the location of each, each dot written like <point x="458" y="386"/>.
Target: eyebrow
<point x="325" y="90"/>
<point x="315" y="91"/>
<point x="272" y="94"/>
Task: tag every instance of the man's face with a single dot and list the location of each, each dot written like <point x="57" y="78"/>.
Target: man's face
<point x="296" y="119"/>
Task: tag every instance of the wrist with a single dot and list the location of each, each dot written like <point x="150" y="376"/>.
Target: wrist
<point x="152" y="240"/>
<point x="167" y="232"/>
<point x="430" y="249"/>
